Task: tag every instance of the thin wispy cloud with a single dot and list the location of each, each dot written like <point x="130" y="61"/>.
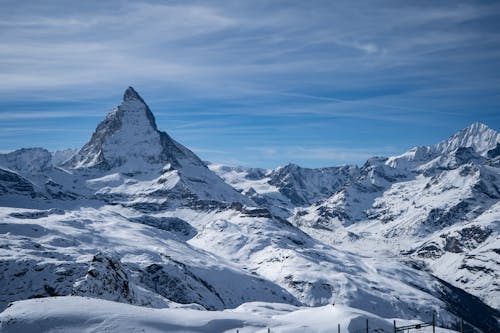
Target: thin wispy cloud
<point x="258" y="66"/>
<point x="47" y="115"/>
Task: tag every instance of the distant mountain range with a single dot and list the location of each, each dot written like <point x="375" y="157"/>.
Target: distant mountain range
<point x="136" y="217"/>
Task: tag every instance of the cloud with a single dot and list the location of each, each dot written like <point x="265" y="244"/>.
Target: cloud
<point x="216" y="49"/>
<point x="211" y="70"/>
<point x="47" y="115"/>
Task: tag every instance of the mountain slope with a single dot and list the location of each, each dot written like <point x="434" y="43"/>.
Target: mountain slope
<point x="283" y="189"/>
<point x="417" y="203"/>
<point x="76" y="314"/>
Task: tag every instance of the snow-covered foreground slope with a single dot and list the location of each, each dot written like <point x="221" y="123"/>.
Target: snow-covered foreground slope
<point x="77" y="314"/>
<point x="137" y="218"/>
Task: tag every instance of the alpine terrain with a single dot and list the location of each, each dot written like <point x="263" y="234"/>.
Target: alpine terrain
<point x="135" y="232"/>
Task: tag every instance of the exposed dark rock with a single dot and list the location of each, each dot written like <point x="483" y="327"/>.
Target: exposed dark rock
<point x="11" y="182"/>
<point x="172" y="224"/>
<point x="304" y="186"/>
<point x="469" y="307"/>
<point x="176" y="282"/>
<point x="495" y="152"/>
<point x="431" y="250"/>
<point x="106" y="278"/>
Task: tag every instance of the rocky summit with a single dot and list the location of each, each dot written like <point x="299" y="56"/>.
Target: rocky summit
<point x="135" y="217"/>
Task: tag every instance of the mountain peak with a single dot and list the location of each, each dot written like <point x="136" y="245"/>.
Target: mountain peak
<point x="132" y="104"/>
<point x="128" y="142"/>
<point x="131" y="94"/>
<point x="477" y="136"/>
<point x="128" y="136"/>
<point x="129" y="139"/>
<point x="476" y="128"/>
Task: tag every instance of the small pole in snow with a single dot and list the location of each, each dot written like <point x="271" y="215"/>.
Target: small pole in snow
<point x="433" y="322"/>
<point x="338" y="328"/>
<point x="268" y="330"/>
<point x="394" y="326"/>
<point x="367" y="325"/>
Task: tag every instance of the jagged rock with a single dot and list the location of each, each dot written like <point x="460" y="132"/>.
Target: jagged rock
<point x="304" y="186"/>
<point x="106" y="278"/>
<point x="172" y="224"/>
<point x="11" y="182"/>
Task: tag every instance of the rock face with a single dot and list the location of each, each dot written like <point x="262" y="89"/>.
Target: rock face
<point x="372" y="237"/>
<point x="11" y="182"/>
<point x="458" y="164"/>
<point x="286" y="188"/>
<point x="304" y="186"/>
<point x="107" y="279"/>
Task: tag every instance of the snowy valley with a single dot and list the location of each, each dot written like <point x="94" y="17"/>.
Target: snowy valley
<point x="134" y="231"/>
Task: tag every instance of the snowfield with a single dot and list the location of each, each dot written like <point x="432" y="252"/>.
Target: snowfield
<point x="77" y="314"/>
<point x="134" y="232"/>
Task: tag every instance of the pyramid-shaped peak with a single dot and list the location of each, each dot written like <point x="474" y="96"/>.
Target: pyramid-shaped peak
<point x="133" y="104"/>
<point x="128" y="137"/>
<point x="131" y="95"/>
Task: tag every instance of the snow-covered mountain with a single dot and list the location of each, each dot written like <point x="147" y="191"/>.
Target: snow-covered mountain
<point x="285" y="188"/>
<point x="478" y="136"/>
<point x="131" y="158"/>
<point x="436" y="204"/>
<point x="135" y="217"/>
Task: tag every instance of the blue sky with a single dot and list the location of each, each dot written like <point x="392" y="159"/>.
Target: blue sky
<point x="259" y="83"/>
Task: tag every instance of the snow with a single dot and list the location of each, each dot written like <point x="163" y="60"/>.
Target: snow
<point x="71" y="239"/>
<point x="284" y="189"/>
<point x="59" y="157"/>
<point x="27" y="160"/>
<point x="78" y="314"/>
<point x="135" y="125"/>
<point x="238" y="177"/>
